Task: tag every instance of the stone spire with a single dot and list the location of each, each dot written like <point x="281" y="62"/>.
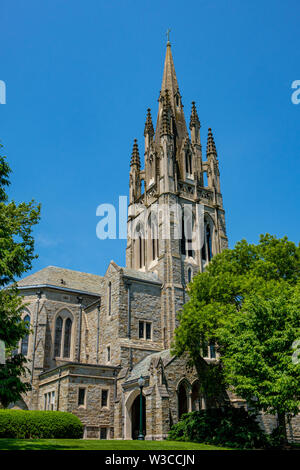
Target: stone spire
<point x="169" y="82"/>
<point x="135" y="156"/>
<point x="194" y="120"/>
<point x="210" y="147"/>
<point x="149" y="125"/>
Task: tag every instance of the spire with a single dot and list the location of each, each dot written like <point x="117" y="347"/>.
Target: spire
<point x="194" y="121"/>
<point x="210" y="147"/>
<point x="148" y="125"/>
<point x="135" y="156"/>
<point x="169" y="82"/>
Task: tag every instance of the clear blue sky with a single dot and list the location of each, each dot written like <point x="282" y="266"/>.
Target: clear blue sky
<point x="80" y="76"/>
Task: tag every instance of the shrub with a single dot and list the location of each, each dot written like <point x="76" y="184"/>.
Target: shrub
<point x="21" y="424"/>
<point x="231" y="427"/>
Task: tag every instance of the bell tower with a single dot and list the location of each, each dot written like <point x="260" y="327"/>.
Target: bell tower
<point x="176" y="220"/>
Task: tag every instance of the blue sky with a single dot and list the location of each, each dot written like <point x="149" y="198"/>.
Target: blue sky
<point x="80" y="76"/>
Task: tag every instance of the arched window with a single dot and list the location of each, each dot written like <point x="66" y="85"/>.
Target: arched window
<point x="153" y="236"/>
<point x="208" y="242"/>
<point x="140" y="252"/>
<point x="190" y="274"/>
<point x="109" y="299"/>
<point x="25" y="339"/>
<point x="67" y="337"/>
<point x="207" y="245"/>
<point x="187" y="229"/>
<point x="182" y="400"/>
<point x="188" y="163"/>
<point x="58" y="335"/>
<point x="63" y="334"/>
<point x="140" y="249"/>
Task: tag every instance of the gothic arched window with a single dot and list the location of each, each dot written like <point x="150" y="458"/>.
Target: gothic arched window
<point x="25" y="339"/>
<point x="207" y="245"/>
<point x="63" y="335"/>
<point x="188" y="163"/>
<point x="153" y="236"/>
<point x="182" y="400"/>
<point x="187" y="229"/>
<point x="67" y="337"/>
<point x="109" y="299"/>
<point x="58" y="335"/>
<point x="190" y="273"/>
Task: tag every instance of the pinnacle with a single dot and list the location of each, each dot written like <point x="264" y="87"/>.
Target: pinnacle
<point x="149" y="125"/>
<point x="135" y="156"/>
<point x="166" y="112"/>
<point x="194" y="121"/>
<point x="211" y="147"/>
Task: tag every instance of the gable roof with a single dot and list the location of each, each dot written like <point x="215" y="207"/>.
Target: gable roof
<point x="63" y="278"/>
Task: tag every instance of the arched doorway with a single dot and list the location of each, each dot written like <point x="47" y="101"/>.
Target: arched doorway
<point x="182" y="400"/>
<point x="135" y="417"/>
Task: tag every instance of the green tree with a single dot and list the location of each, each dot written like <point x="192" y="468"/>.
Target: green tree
<point x="16" y="255"/>
<point x="246" y="301"/>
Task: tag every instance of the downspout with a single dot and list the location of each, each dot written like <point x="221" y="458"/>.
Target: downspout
<point x="39" y="295"/>
<point x="58" y="390"/>
<point x="129" y="321"/>
<point x="98" y="330"/>
<point x="79" y="328"/>
<point x="129" y="311"/>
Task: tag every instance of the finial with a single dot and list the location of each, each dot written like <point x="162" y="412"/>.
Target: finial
<point x="194" y="121"/>
<point x="211" y="147"/>
<point x="135" y="157"/>
<point x="149" y="125"/>
<point x="168" y="36"/>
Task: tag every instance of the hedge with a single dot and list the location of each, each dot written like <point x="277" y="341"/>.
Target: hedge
<point x="21" y="424"/>
<point x="231" y="427"/>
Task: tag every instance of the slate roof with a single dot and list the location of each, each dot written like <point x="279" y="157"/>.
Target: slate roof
<point x="54" y="276"/>
<point x="150" y="276"/>
<point x="142" y="367"/>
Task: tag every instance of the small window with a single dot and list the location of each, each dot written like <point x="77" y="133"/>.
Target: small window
<point x="81" y="397"/>
<point x="109" y="298"/>
<point x="141" y="329"/>
<point x="148" y="330"/>
<point x="52" y="400"/>
<point x="190" y="273"/>
<point x="25" y="339"/>
<point x="145" y="330"/>
<point x="104" y="397"/>
<point x="108" y="353"/>
<point x="58" y="335"/>
<point x="103" y="433"/>
<point x="212" y="351"/>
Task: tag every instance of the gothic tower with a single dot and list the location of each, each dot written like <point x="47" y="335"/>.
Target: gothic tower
<point x="176" y="220"/>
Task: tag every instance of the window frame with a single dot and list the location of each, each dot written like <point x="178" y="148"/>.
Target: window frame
<point x="80" y="389"/>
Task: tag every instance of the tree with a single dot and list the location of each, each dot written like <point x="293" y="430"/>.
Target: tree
<point x="16" y="256"/>
<point x="246" y="302"/>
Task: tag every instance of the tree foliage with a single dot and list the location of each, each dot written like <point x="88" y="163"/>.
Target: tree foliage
<point x="16" y="256"/>
<point x="247" y="301"/>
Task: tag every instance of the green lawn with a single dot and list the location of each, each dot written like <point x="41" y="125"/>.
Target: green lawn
<point x="81" y="444"/>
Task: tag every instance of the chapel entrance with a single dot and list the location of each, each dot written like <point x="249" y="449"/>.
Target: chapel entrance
<point x="135" y="417"/>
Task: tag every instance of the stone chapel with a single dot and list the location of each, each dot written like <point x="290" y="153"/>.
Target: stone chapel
<point x="93" y="337"/>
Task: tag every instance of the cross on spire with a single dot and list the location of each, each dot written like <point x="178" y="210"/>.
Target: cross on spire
<point x="168" y="35"/>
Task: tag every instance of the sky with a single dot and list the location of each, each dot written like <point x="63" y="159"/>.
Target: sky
<point x="80" y="76"/>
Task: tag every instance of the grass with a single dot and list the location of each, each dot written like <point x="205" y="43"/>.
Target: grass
<point x="83" y="444"/>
